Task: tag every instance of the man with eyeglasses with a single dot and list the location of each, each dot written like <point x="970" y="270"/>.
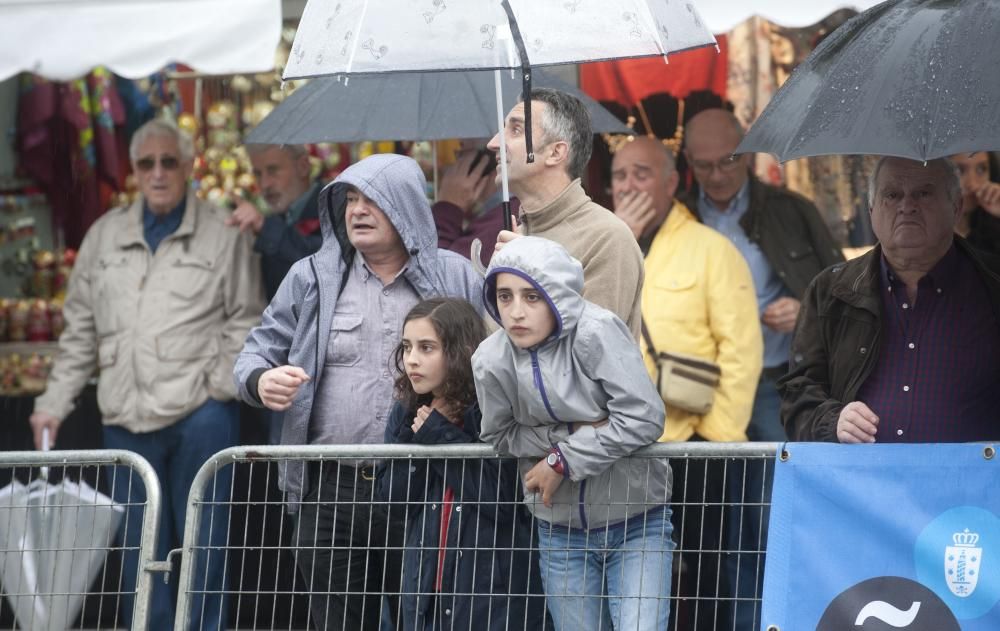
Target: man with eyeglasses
<point x="786" y="244"/>
<point x="160" y="300"/>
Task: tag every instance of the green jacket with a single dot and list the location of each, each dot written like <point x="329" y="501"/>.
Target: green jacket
<point x="836" y="341"/>
<point x="789" y="231"/>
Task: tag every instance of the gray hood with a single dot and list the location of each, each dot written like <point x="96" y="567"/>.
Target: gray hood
<point x="397" y="185"/>
<point x="549" y="267"/>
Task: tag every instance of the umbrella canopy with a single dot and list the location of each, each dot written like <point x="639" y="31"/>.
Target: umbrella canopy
<point x="54" y="539"/>
<point x="64" y="39"/>
<point x="362" y="36"/>
<point x="414" y="106"/>
<point x="907" y="78"/>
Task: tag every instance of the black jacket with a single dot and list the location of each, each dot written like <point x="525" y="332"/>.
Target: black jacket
<point x="836" y="341"/>
<point x="489" y="536"/>
<point x="789" y="231"/>
<point x="281" y="245"/>
<point x="984" y="232"/>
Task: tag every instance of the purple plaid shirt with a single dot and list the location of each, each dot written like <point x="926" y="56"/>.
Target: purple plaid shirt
<point x="937" y="377"/>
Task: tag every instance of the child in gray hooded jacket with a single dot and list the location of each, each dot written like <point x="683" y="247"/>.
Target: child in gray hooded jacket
<point x="563" y="387"/>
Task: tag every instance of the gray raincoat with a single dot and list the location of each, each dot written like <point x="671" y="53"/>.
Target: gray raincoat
<point x="589" y="369"/>
<point x="295" y="329"/>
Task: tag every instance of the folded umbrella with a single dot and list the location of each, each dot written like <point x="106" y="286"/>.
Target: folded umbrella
<point x="54" y="539"/>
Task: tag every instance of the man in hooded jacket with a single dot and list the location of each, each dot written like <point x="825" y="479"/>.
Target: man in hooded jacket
<point x="321" y="355"/>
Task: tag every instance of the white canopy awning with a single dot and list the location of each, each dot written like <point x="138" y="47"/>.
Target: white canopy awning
<point x="722" y="15"/>
<point x="65" y="39"/>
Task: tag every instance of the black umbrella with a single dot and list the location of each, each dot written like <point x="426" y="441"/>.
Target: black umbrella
<point x="413" y="106"/>
<point x="909" y="78"/>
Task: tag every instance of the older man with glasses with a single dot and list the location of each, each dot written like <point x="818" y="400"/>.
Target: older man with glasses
<point x="786" y="244"/>
<point x="159" y="303"/>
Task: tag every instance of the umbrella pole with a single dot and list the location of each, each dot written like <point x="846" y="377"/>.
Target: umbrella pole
<point x="507" y="222"/>
<point x="434" y="158"/>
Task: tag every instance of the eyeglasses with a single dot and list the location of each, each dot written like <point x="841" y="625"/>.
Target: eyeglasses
<point x="725" y="165"/>
<point x="169" y="163"/>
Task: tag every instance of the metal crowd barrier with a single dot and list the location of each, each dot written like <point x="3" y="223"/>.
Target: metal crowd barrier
<point x="287" y="571"/>
<point x="61" y="531"/>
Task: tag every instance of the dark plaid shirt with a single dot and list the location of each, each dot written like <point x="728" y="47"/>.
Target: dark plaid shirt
<point x="937" y="377"/>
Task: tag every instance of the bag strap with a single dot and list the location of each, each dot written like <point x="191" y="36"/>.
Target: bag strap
<point x="647" y="338"/>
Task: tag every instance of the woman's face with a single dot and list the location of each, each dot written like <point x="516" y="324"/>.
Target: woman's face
<point x="423" y="356"/>
<point x="974" y="171"/>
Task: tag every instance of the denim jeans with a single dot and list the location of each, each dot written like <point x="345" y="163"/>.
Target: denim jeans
<point x="608" y="578"/>
<point x="177" y="453"/>
<point x="749" y="487"/>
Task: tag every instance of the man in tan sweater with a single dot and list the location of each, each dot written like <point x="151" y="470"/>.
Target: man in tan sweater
<point x="555" y="206"/>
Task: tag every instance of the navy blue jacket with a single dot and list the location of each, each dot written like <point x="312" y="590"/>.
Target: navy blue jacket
<point x="281" y="245"/>
<point x="489" y="536"/>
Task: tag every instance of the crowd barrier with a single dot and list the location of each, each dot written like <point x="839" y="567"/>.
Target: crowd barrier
<point x="62" y="560"/>
<point x="61" y="556"/>
<point x="278" y="554"/>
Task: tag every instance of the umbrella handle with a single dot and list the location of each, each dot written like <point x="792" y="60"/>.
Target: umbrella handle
<point x="44" y="471"/>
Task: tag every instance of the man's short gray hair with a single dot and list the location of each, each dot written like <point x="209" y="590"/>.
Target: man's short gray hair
<point x="567" y="119"/>
<point x="162" y="127"/>
<point x="953" y="182"/>
<point x="294" y="151"/>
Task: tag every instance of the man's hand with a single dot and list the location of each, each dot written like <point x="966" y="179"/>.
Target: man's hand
<point x="278" y="386"/>
<point x="636" y="210"/>
<point x="506" y="236"/>
<point x="543" y="479"/>
<point x="40" y="421"/>
<point x="988" y="196"/>
<point x="461" y="188"/>
<point x="857" y="424"/>
<point x="422" y="415"/>
<point x="781" y="314"/>
<point x="246" y="217"/>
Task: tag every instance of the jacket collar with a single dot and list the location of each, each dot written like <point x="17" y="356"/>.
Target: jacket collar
<point x="857" y="281"/>
<point x="132" y="235"/>
<point x="758" y="194"/>
<point x="571" y="199"/>
<point x="679" y="215"/>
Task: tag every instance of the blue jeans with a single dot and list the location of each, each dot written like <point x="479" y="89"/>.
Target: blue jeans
<point x="746" y="534"/>
<point x="176" y="453"/>
<point x="613" y="578"/>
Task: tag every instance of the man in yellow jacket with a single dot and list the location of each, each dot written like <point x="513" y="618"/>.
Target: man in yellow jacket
<point x="698" y="300"/>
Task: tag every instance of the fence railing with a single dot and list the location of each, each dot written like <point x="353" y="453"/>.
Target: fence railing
<point x="63" y="524"/>
<point x="361" y="549"/>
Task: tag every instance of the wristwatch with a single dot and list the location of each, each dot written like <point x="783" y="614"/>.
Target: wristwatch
<point x="554" y="460"/>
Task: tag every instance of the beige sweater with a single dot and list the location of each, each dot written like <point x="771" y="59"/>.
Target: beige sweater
<point x="604" y="245"/>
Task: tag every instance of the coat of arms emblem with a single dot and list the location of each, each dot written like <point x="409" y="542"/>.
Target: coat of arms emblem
<point x="961" y="563"/>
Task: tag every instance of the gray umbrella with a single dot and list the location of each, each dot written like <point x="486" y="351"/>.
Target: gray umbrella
<point x="412" y="106"/>
<point x="907" y="78"/>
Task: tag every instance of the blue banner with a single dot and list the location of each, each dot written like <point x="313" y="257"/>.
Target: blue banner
<point x="884" y="537"/>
